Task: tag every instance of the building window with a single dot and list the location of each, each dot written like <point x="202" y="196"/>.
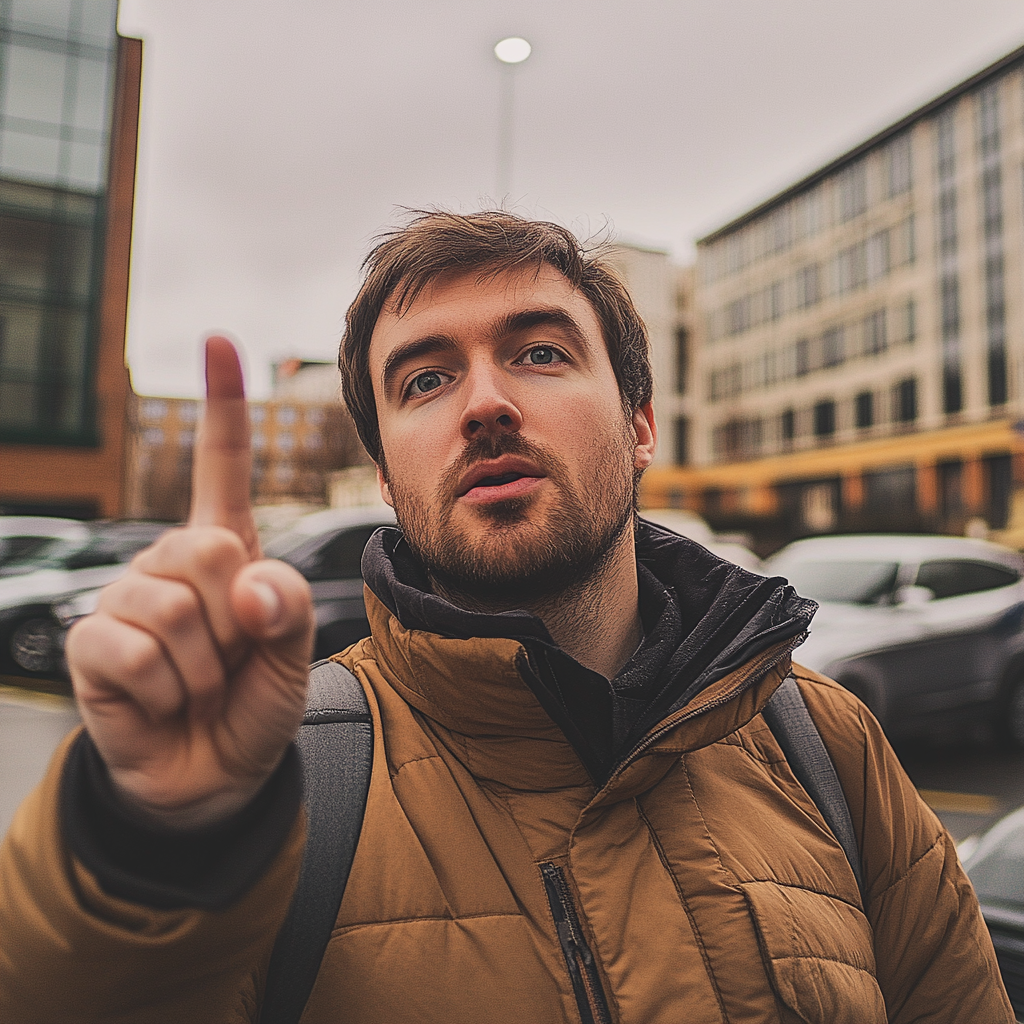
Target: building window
<point x="853" y="191"/>
<point x="725" y="382"/>
<point x="833" y="347"/>
<point x="864" y="410"/>
<point x="682" y="359"/>
<point x="949" y="282"/>
<point x="682" y="439"/>
<point x="908" y="317"/>
<point x="787" y="425"/>
<point x="803" y="357"/>
<point x="905" y="401"/>
<point x="154" y="409"/>
<point x="877" y="256"/>
<point x="992" y="219"/>
<point x="825" y="418"/>
<point x="849" y="269"/>
<point x="57" y="65"/>
<point x="891" y="492"/>
<point x="998" y="489"/>
<point x="898" y="166"/>
<point x="808" y="286"/>
<point x="951" y="498"/>
<point x="876" y="339"/>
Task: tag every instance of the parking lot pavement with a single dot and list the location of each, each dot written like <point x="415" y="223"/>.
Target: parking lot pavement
<point x="968" y="785"/>
<point x="31" y="726"/>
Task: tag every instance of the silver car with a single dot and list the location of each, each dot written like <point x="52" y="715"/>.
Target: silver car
<point x="928" y="631"/>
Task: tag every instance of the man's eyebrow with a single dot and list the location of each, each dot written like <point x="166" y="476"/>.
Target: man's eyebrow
<point x="414" y="350"/>
<point x="524" y="320"/>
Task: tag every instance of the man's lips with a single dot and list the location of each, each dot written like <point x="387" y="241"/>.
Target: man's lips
<point x="499" y="479"/>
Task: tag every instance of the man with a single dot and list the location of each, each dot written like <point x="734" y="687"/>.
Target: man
<point x="576" y="813"/>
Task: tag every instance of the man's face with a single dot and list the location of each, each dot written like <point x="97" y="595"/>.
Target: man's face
<point x="506" y="451"/>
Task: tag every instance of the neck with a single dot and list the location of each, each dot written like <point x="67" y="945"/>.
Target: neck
<point x="598" y="622"/>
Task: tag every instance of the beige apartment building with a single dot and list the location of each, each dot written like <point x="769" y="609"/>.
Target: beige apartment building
<point x="663" y="294"/>
<point x="857" y="357"/>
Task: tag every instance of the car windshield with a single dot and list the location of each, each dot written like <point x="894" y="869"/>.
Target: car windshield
<point x="841" y="581"/>
<point x="104" y="548"/>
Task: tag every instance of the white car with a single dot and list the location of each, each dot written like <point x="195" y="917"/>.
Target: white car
<point x="23" y="537"/>
<point x="689" y="524"/>
<point x="33" y="588"/>
<point x="927" y="630"/>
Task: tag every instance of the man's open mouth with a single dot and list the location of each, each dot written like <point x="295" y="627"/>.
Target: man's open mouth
<point x="497" y="481"/>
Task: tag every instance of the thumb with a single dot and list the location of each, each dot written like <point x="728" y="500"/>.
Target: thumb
<point x="273" y="604"/>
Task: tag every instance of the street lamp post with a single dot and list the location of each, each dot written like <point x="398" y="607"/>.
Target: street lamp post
<point x="511" y="52"/>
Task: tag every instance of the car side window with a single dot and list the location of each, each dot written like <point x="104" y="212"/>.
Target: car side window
<point x="340" y="557"/>
<point x="952" y="577"/>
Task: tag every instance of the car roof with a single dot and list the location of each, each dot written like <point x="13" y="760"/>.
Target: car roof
<point x="42" y="526"/>
<point x="898" y="547"/>
<point x="339" y="518"/>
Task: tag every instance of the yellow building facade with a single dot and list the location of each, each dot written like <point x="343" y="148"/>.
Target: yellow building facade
<point x="857" y="356"/>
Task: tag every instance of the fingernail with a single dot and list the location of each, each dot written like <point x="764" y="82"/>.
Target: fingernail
<point x="269" y="601"/>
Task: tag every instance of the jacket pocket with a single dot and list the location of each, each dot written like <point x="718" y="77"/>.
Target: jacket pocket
<point x="818" y="953"/>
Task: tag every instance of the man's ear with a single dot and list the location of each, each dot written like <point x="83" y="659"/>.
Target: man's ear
<point x="385" y="491"/>
<point x="646" y="431"/>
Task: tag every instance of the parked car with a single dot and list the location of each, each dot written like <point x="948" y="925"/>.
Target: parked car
<point x="33" y="587"/>
<point x="995" y="864"/>
<point x="326" y="547"/>
<point x="926" y="630"/>
<point x="22" y="538"/>
<point x="689" y="524"/>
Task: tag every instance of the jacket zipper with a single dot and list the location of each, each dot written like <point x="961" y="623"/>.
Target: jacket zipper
<point x="586" y="982"/>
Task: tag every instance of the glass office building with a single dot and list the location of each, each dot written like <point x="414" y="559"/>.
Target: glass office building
<point x="57" y="75"/>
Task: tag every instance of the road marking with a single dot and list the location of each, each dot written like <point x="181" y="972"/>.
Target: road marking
<point x="963" y="803"/>
<point x="35" y="699"/>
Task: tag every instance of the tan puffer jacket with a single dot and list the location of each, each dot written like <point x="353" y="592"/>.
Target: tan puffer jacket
<point x="493" y="882"/>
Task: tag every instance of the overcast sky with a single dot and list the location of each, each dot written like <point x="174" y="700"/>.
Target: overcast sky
<point x="278" y="138"/>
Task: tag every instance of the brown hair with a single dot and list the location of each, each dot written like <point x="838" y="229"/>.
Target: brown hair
<point x="407" y="259"/>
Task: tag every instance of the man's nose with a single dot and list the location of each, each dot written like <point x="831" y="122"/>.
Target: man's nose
<point x="489" y="406"/>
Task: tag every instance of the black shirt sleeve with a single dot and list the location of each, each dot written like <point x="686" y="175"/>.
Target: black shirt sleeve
<point x="206" y="868"/>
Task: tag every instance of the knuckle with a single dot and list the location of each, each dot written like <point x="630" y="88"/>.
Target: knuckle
<point x="175" y="607"/>
<point x="139" y="656"/>
<point x="162" y="548"/>
<point x="216" y="549"/>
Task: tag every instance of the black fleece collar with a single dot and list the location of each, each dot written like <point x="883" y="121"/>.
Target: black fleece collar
<point x="703" y="618"/>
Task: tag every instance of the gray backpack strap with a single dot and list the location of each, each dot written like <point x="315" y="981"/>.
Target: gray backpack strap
<point x="336" y="746"/>
<point x="791" y="724"/>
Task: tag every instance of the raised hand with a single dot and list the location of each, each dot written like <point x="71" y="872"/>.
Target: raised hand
<point x="191" y="675"/>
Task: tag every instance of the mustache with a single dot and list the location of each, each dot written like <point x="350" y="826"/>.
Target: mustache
<point x="493" y="446"/>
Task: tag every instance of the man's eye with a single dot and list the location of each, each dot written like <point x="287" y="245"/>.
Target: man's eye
<point x="542" y="355"/>
<point x="425" y="382"/>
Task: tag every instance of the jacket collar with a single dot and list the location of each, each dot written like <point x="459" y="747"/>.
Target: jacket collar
<point x="705" y="619"/>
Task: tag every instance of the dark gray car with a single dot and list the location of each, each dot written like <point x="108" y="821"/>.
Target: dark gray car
<point x="928" y="631"/>
<point x="995" y="864"/>
<point x="327" y="547"/>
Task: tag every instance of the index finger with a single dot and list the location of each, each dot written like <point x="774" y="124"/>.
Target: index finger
<point x="222" y="461"/>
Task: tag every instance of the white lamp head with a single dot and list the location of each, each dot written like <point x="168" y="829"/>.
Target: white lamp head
<point x="513" y="50"/>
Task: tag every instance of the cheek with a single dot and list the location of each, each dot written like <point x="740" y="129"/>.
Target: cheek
<point x="415" y="454"/>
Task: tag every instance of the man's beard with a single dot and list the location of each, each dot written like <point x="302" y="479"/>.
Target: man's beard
<point x="520" y="556"/>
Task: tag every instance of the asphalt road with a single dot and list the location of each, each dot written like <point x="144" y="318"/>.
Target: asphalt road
<point x="969" y="785"/>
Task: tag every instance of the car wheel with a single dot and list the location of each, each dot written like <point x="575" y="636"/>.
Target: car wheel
<point x="1010" y="719"/>
<point x="35" y="645"/>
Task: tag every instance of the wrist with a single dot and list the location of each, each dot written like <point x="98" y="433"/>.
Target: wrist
<point x="202" y="812"/>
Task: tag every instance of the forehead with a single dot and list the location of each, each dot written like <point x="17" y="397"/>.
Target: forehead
<point x="461" y="304"/>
